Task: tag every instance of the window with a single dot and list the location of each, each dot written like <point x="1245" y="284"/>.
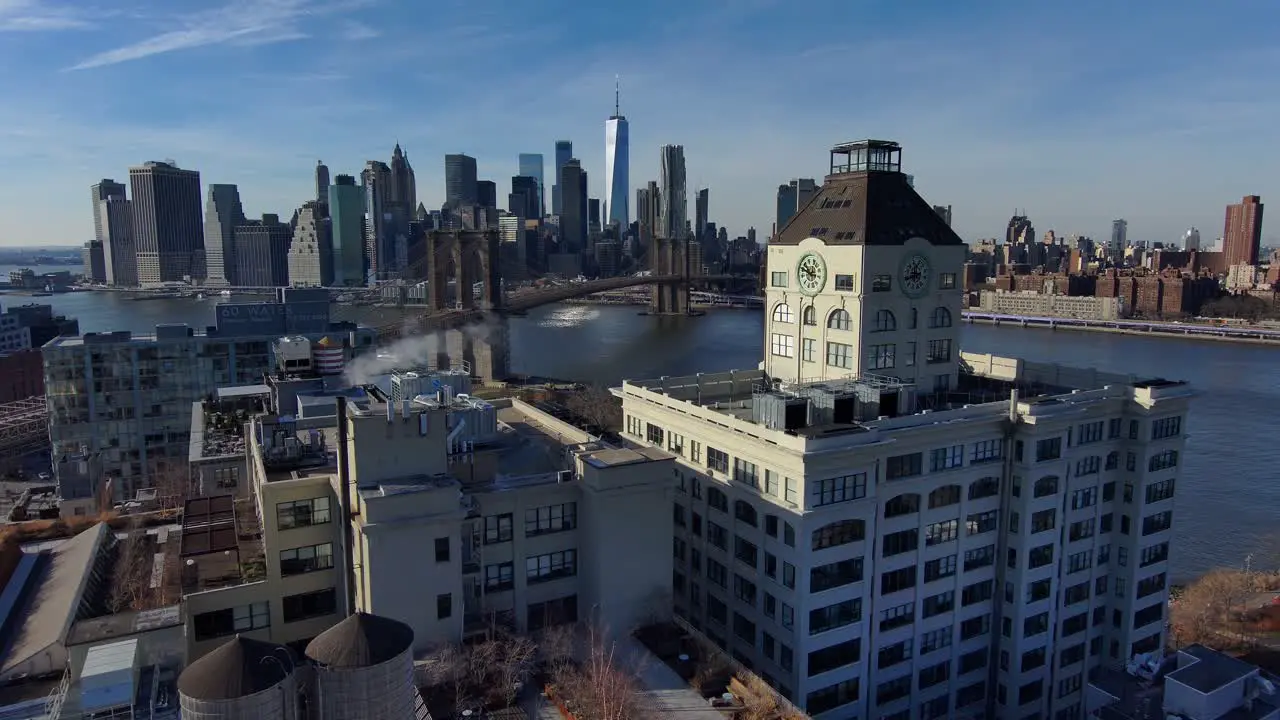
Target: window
<point x="891" y="655"/>
<point x="809" y="316"/>
<point x="306" y="559"/>
<point x="717" y="460"/>
<point x="835" y="616"/>
<point x="302" y="513"/>
<point x="552" y="612"/>
<point x="744" y="629"/>
<point x="498" y="528"/>
<point x="940" y="318"/>
<point x="986" y="451"/>
<point x="717" y="573"/>
<point x="835" y="656"/>
<point x="551" y="566"/>
<point x="1040" y="556"/>
<point x="1048" y="449"/>
<point x="834" y="575"/>
<point x="946" y="458"/>
<point x="935" y="640"/>
<point x="904" y="466"/>
<point x="1162" y="490"/>
<point x="1081" y="529"/>
<point x="832" y="696"/>
<point x="984" y="488"/>
<point x="897" y="616"/>
<point x="1042" y="521"/>
<point x="499" y="577"/>
<point x="744" y="590"/>
<point x="941" y="532"/>
<point x="904" y="504"/>
<point x="938" y="604"/>
<point x="909" y="355"/>
<point x="1163" y="461"/>
<point x="895" y="580"/>
<point x="1046" y="486"/>
<point x="778" y="278"/>
<point x="844" y="283"/>
<point x="880" y="357"/>
<point x="1166" y="428"/>
<point x="1089" y="433"/>
<point x="1153" y="554"/>
<point x="745" y="551"/>
<point x="444" y="606"/>
<point x="939" y="351"/>
<point x="782" y="345"/>
<point x="881" y="283"/>
<point x="841" y="489"/>
<point x="1079" y="562"/>
<point x="885" y="321"/>
<point x="745" y="513"/>
<point x="442" y="550"/>
<point x="1084" y="498"/>
<point x="978" y="523"/>
<point x="782" y="313"/>
<point x="1039" y="590"/>
<point x="946" y="281"/>
<point x="937" y="569"/>
<point x="1156" y="523"/>
<point x="230" y="621"/>
<point x="309" y="605"/>
<point x="1088" y="466"/>
<point x="746" y="473"/>
<point x="977" y="592"/>
<point x="840" y="532"/>
<point x="717" y="499"/>
<point x="549" y="519"/>
<point x="900" y="542"/>
<point x="808" y="347"/>
<point x="839" y="355"/>
<point x="717" y="535"/>
<point x="839" y="319"/>
<point x="653" y="433"/>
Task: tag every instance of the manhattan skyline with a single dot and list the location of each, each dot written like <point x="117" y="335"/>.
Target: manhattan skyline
<point x="1161" y="118"/>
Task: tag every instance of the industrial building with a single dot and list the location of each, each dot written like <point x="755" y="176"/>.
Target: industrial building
<point x="883" y="526"/>
<point x="1052" y="305"/>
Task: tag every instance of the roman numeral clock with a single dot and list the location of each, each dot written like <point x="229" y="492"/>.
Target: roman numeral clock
<point x="811" y="272"/>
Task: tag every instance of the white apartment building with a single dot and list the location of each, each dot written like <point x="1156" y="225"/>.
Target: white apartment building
<point x="884" y="527"/>
<point x="389" y="514"/>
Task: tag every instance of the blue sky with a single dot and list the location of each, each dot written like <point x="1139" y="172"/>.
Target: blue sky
<point x="1159" y="112"/>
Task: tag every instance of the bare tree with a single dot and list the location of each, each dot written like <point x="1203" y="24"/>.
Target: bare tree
<point x="1212" y="608"/>
<point x="597" y="407"/>
<point x="447" y="668"/>
<point x="514" y="658"/>
<point x="557" y="646"/>
<point x="606" y="687"/>
<point x="132" y="582"/>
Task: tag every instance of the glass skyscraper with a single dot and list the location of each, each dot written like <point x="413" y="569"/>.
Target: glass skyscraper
<point x="564" y="152"/>
<point x="617" y="168"/>
<point x="531" y="166"/>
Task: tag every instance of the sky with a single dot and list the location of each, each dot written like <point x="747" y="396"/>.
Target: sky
<point x="1073" y="112"/>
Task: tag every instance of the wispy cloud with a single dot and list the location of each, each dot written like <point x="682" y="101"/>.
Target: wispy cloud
<point x="241" y="22"/>
<point x="37" y="16"/>
<point x="355" y="31"/>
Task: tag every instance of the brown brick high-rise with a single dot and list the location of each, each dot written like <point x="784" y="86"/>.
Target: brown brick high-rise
<point x="1242" y="232"/>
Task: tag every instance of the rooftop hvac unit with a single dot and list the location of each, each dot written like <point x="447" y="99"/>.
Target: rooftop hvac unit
<point x="781" y="411"/>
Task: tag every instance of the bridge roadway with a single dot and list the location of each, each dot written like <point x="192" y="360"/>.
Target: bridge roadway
<point x="526" y="299"/>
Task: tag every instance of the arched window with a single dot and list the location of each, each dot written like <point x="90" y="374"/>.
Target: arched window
<point x="1047" y="485"/>
<point x="717" y="499"/>
<point x="744" y="512"/>
<point x="1113" y="460"/>
<point x="944" y="496"/>
<point x="782" y="313"/>
<point x="885" y="321"/>
<point x="809" y="315"/>
<point x="904" y="504"/>
<point x="840" y="532"/>
<point x="984" y="488"/>
<point x="940" y="318"/>
<point x="839" y="319"/>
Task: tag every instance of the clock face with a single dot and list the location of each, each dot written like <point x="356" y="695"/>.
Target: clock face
<point x="811" y="272"/>
<point x="915" y="275"/>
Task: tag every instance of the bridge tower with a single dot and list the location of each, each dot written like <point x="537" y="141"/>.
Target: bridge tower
<point x="670" y="257"/>
<point x="468" y="257"/>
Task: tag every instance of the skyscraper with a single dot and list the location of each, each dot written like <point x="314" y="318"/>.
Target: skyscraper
<point x="701" y="207"/>
<point x="115" y="217"/>
<point x="791" y="197"/>
<point x="222" y="213"/>
<point x="617" y="165"/>
<point x="346" y="209"/>
<point x="166" y="222"/>
<point x="100" y="191"/>
<point x="311" y="252"/>
<point x="573" y="215"/>
<point x="531" y="166"/>
<point x="460" y="180"/>
<point x="648" y="199"/>
<point x="593" y="211"/>
<point x="378" y="238"/>
<point x="1119" y="239"/>
<point x="674" y="206"/>
<point x="1191" y="239"/>
<point x="1242" y="232"/>
<point x="404" y="186"/>
<point x="487" y="193"/>
<point x="322" y="182"/>
<point x="564" y="153"/>
<point x="524" y="197"/>
<point x="262" y="252"/>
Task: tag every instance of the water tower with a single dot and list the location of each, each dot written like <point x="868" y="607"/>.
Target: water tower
<point x="241" y="680"/>
<point x="363" y="670"/>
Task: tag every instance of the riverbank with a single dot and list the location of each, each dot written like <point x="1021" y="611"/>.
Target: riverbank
<point x="1170" y="331"/>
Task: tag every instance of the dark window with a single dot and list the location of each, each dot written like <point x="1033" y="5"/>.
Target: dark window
<point x="541" y="568"/>
<point x="840" y="532"/>
<point x="442" y="550"/>
<point x="309" y="605"/>
<point x="497" y="528"/>
<point x="499" y="577"/>
<point x="835" y="616"/>
<point x="306" y="559"/>
<point x="444" y="606"/>
<point x="552" y="612"/>
<point x="902" y="505"/>
<point x="221" y="623"/>
<point x="302" y="513"/>
<point x="835" y="656"/>
<point x="743" y="511"/>
<point x="834" y="575"/>
<point x="550" y="519"/>
<point x="832" y="696"/>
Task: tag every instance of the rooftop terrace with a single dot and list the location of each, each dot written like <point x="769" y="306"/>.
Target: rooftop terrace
<point x="221" y="543"/>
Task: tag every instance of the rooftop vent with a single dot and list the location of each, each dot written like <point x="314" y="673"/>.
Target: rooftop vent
<point x="781" y="411"/>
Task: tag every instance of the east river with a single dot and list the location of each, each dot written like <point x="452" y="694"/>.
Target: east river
<point x="1227" y="505"/>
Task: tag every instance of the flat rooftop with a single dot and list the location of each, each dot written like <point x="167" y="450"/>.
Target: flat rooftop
<point x="221" y="543"/>
<point x="299" y="452"/>
<point x="1200" y="668"/>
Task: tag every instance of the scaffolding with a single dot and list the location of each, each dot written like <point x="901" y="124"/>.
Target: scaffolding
<point x="24" y="428"/>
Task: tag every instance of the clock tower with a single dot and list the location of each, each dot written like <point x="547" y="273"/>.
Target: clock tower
<point x="865" y="280"/>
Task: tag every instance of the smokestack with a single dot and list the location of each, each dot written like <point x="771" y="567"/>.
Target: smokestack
<point x="345" y="500"/>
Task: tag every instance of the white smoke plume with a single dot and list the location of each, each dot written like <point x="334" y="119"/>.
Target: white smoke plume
<point x="416" y="349"/>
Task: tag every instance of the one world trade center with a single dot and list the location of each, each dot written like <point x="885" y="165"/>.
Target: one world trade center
<point x="617" y="166"/>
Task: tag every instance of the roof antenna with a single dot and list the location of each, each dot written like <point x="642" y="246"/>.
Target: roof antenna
<point x="617" y="91"/>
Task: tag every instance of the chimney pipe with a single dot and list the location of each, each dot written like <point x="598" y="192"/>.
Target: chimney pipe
<point x="345" y="488"/>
